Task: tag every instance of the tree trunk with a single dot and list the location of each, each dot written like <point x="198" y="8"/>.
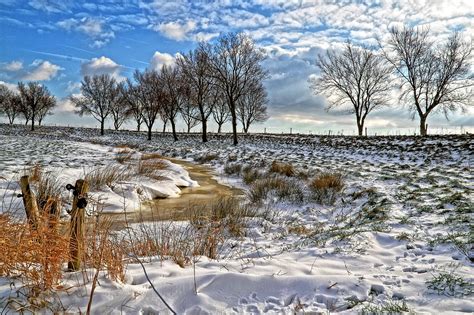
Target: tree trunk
<point x="423" y="127"/>
<point x="219" y="127"/>
<point x="138" y="126"/>
<point x="189" y="128"/>
<point x="102" y="123"/>
<point x="164" y="126"/>
<point x="149" y="132"/>
<point x="234" y="122"/>
<point x="204" y="131"/>
<point x="33" y="122"/>
<point x="173" y="128"/>
<point x="360" y="128"/>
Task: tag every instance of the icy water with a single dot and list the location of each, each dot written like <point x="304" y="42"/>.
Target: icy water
<point x="181" y="208"/>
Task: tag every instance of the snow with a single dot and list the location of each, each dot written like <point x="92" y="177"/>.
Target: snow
<point x="340" y="261"/>
<point x="72" y="160"/>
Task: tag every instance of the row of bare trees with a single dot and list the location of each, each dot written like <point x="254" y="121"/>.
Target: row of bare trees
<point x="33" y="101"/>
<point x="221" y="80"/>
<point x="431" y="76"/>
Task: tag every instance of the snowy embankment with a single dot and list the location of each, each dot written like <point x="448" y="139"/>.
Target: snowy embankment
<point x="118" y="187"/>
<point x="397" y="239"/>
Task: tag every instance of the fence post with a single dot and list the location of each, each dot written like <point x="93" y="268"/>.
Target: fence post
<point x="29" y="201"/>
<point x="77" y="232"/>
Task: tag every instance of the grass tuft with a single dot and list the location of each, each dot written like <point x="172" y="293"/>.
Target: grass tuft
<point x="326" y="187"/>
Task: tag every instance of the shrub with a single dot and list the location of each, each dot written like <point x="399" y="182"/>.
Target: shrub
<point x="326" y="186"/>
<point x="280" y="187"/>
<point x="282" y="168"/>
<point x="250" y="174"/>
<point x="232" y="168"/>
<point x="206" y="158"/>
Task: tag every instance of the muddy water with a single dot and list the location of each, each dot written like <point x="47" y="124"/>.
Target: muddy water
<point x="191" y="198"/>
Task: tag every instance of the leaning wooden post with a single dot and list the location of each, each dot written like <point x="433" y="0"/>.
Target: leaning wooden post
<point x="77" y="231"/>
<point x="29" y="201"/>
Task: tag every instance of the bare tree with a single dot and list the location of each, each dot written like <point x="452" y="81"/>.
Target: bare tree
<point x="9" y="103"/>
<point x="221" y="113"/>
<point x="36" y="100"/>
<point x="134" y="105"/>
<point x="433" y="76"/>
<point x="173" y="88"/>
<point x="356" y="78"/>
<point x="98" y="93"/>
<point x="196" y="69"/>
<point x="148" y="94"/>
<point x="189" y="113"/>
<point x="251" y="107"/>
<point x="236" y="66"/>
<point x="48" y="103"/>
<point x="119" y="108"/>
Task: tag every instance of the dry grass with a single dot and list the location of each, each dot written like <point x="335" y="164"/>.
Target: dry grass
<point x="282" y="168"/>
<point x="47" y="190"/>
<point x="281" y="188"/>
<point x="123" y="156"/>
<point x="151" y="156"/>
<point x="326" y="186"/>
<point x="206" y="158"/>
<point x="34" y="255"/>
<point x="148" y="166"/>
<point x="232" y="168"/>
<point x="103" y="250"/>
<point x="208" y="229"/>
<point x="107" y="176"/>
<point x="250" y="174"/>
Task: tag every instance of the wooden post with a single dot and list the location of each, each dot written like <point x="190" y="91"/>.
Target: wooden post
<point x="77" y="232"/>
<point x="29" y="201"/>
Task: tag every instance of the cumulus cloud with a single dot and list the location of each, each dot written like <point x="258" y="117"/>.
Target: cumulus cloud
<point x="176" y="30"/>
<point x="64" y="105"/>
<point x="102" y="65"/>
<point x="160" y="59"/>
<point x="42" y="71"/>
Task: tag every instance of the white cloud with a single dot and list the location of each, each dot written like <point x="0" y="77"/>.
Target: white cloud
<point x="10" y="86"/>
<point x="160" y="59"/>
<point x="73" y="86"/>
<point x="42" y="71"/>
<point x="65" y="105"/>
<point x="175" y="30"/>
<point x="13" y="66"/>
<point x="102" y="65"/>
<point x="93" y="27"/>
<point x="52" y="6"/>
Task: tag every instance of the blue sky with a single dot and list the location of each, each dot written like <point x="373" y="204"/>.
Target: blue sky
<point x="57" y="42"/>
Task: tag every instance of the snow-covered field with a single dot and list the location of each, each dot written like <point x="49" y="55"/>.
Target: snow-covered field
<point x="398" y="238"/>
